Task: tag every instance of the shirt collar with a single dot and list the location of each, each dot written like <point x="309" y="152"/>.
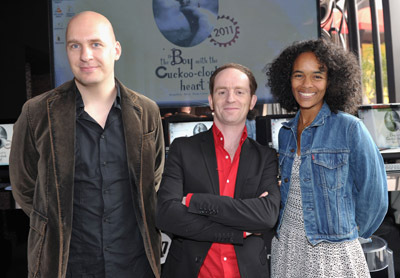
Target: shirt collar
<point x="219" y="137"/>
<point x="80" y="106"/>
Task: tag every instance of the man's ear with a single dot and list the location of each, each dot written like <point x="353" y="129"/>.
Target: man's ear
<point x="210" y="102"/>
<point x="253" y="101"/>
<point x="118" y="50"/>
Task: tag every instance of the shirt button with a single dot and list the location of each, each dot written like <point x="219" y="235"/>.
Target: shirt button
<point x="225" y="259"/>
<point x="292" y="151"/>
<point x="104" y="163"/>
<point x="221" y="138"/>
<point x="226" y="157"/>
<point x="227" y="181"/>
<point x="102" y="136"/>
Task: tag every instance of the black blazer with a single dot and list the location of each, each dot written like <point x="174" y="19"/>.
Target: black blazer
<point x="191" y="167"/>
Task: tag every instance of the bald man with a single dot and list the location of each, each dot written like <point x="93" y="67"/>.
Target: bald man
<point x="86" y="162"/>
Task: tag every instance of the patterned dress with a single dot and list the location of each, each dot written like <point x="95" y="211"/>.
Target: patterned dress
<point x="294" y="256"/>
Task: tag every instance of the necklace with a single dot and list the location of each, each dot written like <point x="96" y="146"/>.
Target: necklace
<point x="301" y="126"/>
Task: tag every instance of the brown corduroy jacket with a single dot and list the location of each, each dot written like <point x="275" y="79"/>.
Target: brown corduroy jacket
<point x="42" y="173"/>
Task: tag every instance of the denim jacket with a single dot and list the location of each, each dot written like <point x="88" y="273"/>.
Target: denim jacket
<point x="342" y="177"/>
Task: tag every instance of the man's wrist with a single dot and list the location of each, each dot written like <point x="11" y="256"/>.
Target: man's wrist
<point x="188" y="198"/>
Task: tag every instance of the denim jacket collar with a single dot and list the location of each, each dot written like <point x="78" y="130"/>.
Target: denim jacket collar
<point x="319" y="120"/>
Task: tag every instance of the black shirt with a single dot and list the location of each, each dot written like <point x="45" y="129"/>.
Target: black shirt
<point x="105" y="240"/>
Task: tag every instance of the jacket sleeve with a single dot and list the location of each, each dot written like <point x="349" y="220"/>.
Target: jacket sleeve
<point x="173" y="217"/>
<point x="160" y="154"/>
<point x="369" y="174"/>
<point x="252" y="214"/>
<point x="23" y="162"/>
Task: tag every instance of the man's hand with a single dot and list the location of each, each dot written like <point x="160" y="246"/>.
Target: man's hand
<point x="249" y="234"/>
<point x="264" y="194"/>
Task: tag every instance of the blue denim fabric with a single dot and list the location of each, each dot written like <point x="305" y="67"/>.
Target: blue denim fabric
<point x="342" y="177"/>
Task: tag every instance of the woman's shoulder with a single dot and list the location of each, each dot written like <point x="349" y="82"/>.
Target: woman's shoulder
<point x="344" y="118"/>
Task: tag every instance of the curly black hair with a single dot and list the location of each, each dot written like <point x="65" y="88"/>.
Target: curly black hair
<point x="344" y="75"/>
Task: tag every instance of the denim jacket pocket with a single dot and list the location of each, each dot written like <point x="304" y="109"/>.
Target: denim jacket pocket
<point x="38" y="224"/>
<point x="330" y="169"/>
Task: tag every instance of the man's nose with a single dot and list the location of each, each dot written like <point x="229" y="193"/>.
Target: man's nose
<point x="86" y="54"/>
<point x="231" y="96"/>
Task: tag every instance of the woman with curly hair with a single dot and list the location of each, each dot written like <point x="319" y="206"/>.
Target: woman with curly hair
<point x="333" y="184"/>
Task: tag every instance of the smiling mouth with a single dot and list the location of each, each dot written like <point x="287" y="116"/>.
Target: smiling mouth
<point x="306" y="94"/>
<point x="88" y="68"/>
<point x="231" y="108"/>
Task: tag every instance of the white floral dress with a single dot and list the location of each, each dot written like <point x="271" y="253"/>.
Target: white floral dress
<point x="294" y="256"/>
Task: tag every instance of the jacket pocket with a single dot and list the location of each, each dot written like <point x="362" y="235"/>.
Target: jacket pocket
<point x="149" y="146"/>
<point x="330" y="169"/>
<point x="38" y="224"/>
<point x="149" y="136"/>
<point x="148" y="157"/>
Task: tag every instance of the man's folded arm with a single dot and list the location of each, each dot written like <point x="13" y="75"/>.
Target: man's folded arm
<point x="173" y="217"/>
<point x="252" y="214"/>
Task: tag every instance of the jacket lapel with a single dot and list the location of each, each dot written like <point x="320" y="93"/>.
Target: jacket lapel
<point x="62" y="115"/>
<point x="245" y="162"/>
<point x="210" y="159"/>
<point x="132" y="118"/>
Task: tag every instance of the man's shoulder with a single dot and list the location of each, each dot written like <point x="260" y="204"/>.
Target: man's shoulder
<point x="43" y="98"/>
<point x="137" y="98"/>
<point x="194" y="140"/>
<point x="256" y="146"/>
<point x="140" y="98"/>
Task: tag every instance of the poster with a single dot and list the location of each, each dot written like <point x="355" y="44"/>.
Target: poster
<point x="171" y="47"/>
<point x="383" y="124"/>
<point x="6" y="131"/>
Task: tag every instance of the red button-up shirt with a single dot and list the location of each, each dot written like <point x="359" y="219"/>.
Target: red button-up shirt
<point x="221" y="261"/>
